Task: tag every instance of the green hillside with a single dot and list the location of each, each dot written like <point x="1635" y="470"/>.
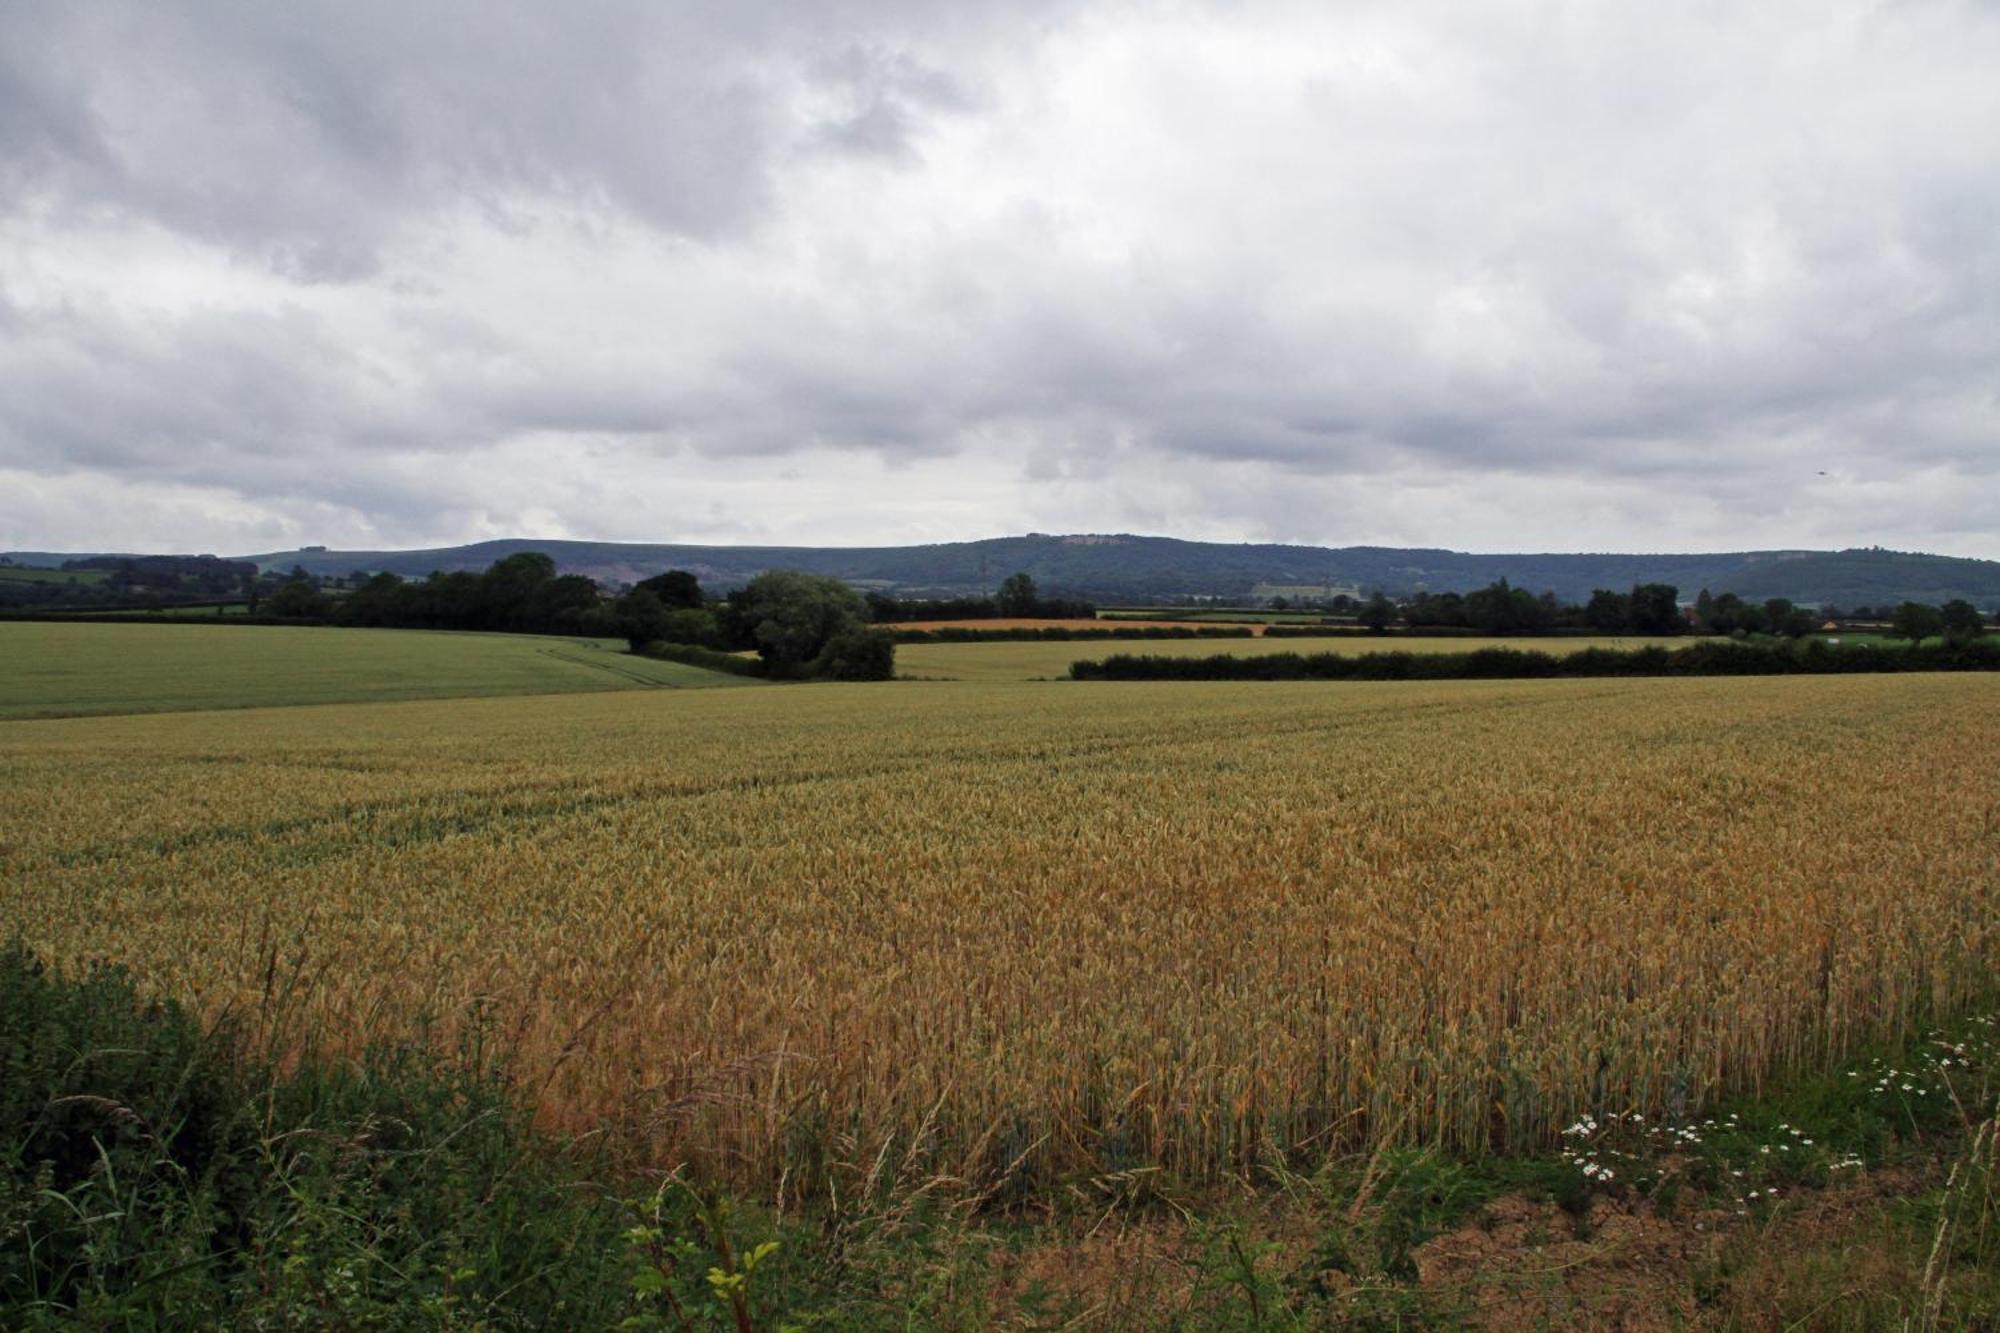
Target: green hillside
<point x="1114" y="568"/>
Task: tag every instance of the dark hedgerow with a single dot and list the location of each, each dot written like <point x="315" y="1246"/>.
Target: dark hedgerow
<point x="1706" y="658"/>
<point x="709" y="659"/>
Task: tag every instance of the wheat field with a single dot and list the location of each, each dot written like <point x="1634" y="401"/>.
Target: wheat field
<point x="1021" y="931"/>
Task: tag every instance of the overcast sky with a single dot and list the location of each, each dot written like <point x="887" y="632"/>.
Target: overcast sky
<point x="1494" y="277"/>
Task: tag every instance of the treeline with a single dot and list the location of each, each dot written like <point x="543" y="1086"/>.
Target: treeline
<point x="801" y="626"/>
<point x="140" y="581"/>
<point x="1710" y="657"/>
<point x="206" y="574"/>
<point x="1648" y="608"/>
<point x="1500" y="608"/>
<point x="521" y="594"/>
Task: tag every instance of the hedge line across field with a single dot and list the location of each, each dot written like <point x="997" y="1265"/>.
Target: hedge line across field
<point x="1812" y="657"/>
<point x="1062" y="633"/>
<point x="709" y="659"/>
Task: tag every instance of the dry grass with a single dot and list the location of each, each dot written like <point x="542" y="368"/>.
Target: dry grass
<point x="1067" y="929"/>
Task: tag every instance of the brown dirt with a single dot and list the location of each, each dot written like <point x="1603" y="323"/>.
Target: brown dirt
<point x="1525" y="1264"/>
<point x="1119" y="1272"/>
<point x="1519" y="1264"/>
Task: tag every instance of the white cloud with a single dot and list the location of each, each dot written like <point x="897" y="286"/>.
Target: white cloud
<point x="1494" y="278"/>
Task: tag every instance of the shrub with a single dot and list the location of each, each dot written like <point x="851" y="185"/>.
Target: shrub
<point x="857" y="655"/>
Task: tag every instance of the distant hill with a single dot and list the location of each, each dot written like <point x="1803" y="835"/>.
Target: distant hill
<point x="1122" y="568"/>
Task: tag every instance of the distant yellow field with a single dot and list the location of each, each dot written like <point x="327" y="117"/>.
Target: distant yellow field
<point x="1050" y="661"/>
<point x="1074" y="928"/>
<point x="1031" y="623"/>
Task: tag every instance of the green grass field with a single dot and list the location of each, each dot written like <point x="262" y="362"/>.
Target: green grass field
<point x="52" y="669"/>
<point x="1043" y="661"/>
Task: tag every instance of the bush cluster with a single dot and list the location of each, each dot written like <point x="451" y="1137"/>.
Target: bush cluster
<point x="860" y="654"/>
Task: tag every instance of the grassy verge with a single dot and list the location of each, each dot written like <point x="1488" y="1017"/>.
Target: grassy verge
<point x="160" y="1172"/>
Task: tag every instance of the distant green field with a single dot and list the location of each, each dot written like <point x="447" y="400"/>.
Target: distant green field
<point x="29" y="574"/>
<point x="1037" y="661"/>
<point x="53" y="669"/>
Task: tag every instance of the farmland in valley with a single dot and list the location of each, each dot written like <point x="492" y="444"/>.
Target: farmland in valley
<point x="1057" y="928"/>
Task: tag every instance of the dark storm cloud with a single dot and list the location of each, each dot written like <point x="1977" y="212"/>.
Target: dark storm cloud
<point x="416" y="272"/>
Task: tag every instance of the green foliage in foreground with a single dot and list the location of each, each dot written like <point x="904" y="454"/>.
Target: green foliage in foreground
<point x="156" y="1172"/>
<point x="153" y="1175"/>
<point x="1708" y="658"/>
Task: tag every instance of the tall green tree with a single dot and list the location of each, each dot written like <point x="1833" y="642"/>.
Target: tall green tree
<point x="790" y="617"/>
<point x="1656" y="609"/>
<point x="1501" y="608"/>
<point x="1608" y="611"/>
<point x="640" y="617"/>
<point x="1960" y="622"/>
<point x="1916" y="621"/>
<point x="298" y="598"/>
<point x="1018" y="595"/>
<point x="1782" y="616"/>
<point x="677" y="590"/>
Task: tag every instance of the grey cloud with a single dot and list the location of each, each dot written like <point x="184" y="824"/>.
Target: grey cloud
<point x="309" y="133"/>
<point x="884" y="91"/>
